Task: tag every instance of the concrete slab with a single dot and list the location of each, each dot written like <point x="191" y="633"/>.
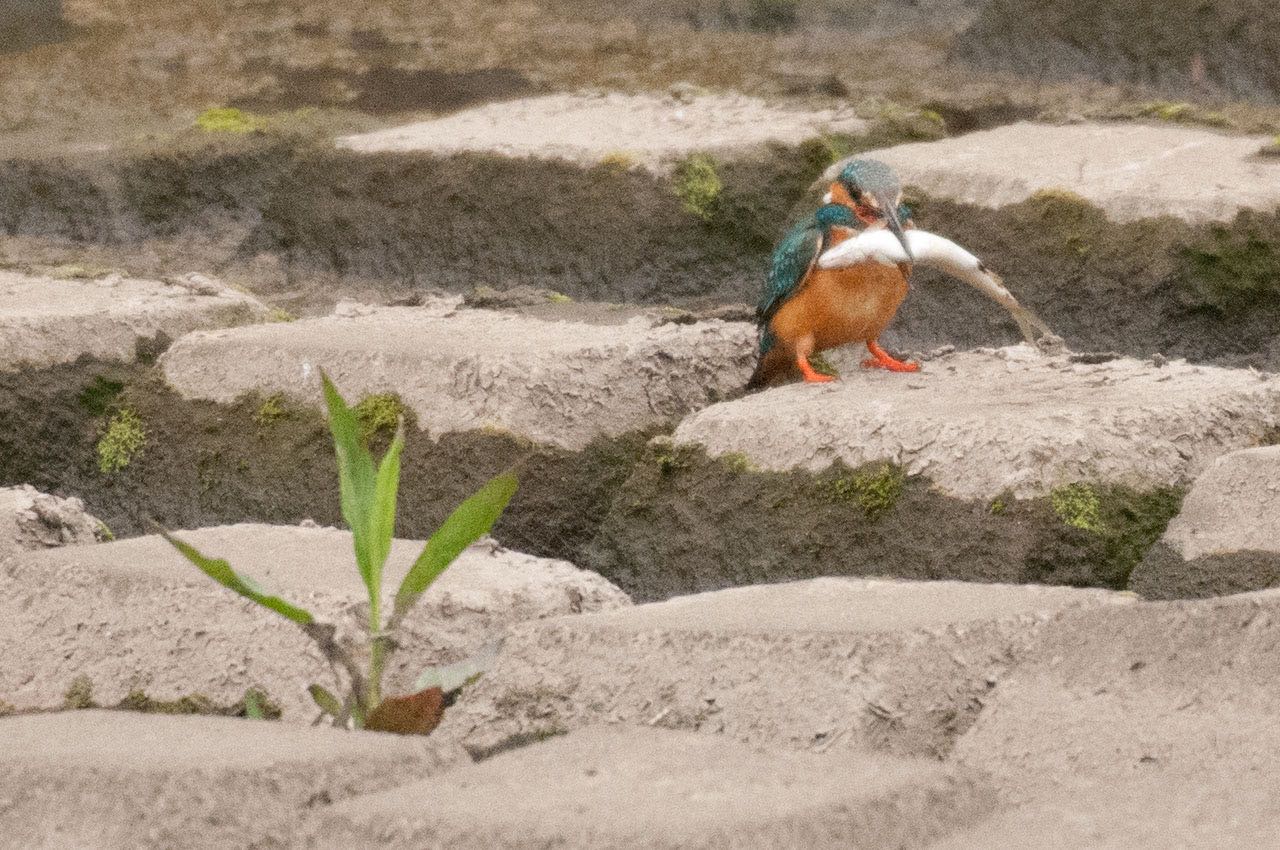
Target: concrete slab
<point x="609" y="787"/>
<point x="46" y="321"/>
<point x="1226" y="539"/>
<point x="1212" y="811"/>
<point x="122" y="780"/>
<point x="1179" y="693"/>
<point x="845" y="663"/>
<point x="134" y="615"/>
<point x="978" y="424"/>
<point x="30" y="519"/>
<point x="559" y="383"/>
<point x="1130" y="170"/>
<point x="647" y="129"/>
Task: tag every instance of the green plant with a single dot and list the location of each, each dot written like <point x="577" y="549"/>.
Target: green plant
<point x="1078" y="506"/>
<point x="279" y="314"/>
<point x="368" y="497"/>
<point x="228" y="120"/>
<point x="698" y="186"/>
<point x="121" y="441"/>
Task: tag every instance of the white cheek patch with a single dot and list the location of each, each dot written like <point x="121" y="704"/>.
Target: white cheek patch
<point x="826" y="199"/>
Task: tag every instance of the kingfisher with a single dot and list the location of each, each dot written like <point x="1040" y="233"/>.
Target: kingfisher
<point x="807" y="308"/>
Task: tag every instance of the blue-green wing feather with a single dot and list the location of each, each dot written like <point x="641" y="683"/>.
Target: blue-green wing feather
<point x="792" y="261"/>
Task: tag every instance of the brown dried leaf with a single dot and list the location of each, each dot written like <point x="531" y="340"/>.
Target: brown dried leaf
<point x="415" y="714"/>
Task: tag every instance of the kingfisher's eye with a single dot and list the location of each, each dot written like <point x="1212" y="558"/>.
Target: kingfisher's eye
<point x="856" y="194"/>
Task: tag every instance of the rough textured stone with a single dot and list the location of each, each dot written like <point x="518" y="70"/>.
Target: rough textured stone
<point x="555" y="382"/>
<point x="1226" y="538"/>
<point x="979" y="424"/>
<point x="46" y="321"/>
<point x="1209" y="812"/>
<point x="122" y="780"/>
<point x="30" y="519"/>
<point x="1174" y="692"/>
<point x="646" y="129"/>
<point x="631" y="788"/>
<point x="1131" y="171"/>
<point x="134" y="615"/>
<point x="843" y="663"/>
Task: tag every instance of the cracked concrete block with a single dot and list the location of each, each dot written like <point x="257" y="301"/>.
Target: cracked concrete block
<point x="46" y="321"/>
<point x="558" y="383"/>
<point x="134" y="615"/>
<point x="30" y="519"/>
<point x="981" y="424"/>
<point x="1226" y="539"/>
<point x="613" y="787"/>
<point x="824" y="664"/>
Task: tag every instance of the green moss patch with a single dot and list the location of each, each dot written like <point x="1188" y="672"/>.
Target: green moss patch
<point x="1236" y="268"/>
<point x="698" y="186"/>
<point x="121" y="441"/>
<point x="876" y="489"/>
<point x="228" y="120"/>
<point x="380" y="414"/>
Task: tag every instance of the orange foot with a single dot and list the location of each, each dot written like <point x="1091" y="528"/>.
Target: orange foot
<point x="811" y="376"/>
<point x="880" y="359"/>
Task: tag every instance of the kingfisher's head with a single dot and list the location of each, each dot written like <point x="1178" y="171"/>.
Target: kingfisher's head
<point x="835" y="215"/>
<point x="872" y="191"/>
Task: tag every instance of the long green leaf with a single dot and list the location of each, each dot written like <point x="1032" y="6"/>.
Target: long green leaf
<point x="221" y="572"/>
<point x="451" y="677"/>
<point x="468" y="522"/>
<point x="357" y="480"/>
<point x="325" y="701"/>
<point x="382" y="519"/>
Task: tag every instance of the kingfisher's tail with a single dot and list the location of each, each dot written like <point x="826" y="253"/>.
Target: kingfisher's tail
<point x="773" y="365"/>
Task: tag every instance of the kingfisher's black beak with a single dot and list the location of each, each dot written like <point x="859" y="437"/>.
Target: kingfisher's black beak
<point x="889" y="207"/>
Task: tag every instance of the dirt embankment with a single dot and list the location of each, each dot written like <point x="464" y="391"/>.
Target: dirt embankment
<point x="201" y="464"/>
<point x="1184" y="47"/>
<point x="304" y="225"/>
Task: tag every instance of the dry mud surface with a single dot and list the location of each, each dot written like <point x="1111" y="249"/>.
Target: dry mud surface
<point x="121" y="780"/>
<point x="46" y="321"/>
<point x="845" y="663"/>
<point x="648" y="788"/>
<point x="1207" y="50"/>
<point x="134" y="616"/>
<point x="1226" y="539"/>
<point x="979" y="424"/>
<point x="558" y="383"/>
<point x="1130" y="171"/>
<point x="644" y="129"/>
